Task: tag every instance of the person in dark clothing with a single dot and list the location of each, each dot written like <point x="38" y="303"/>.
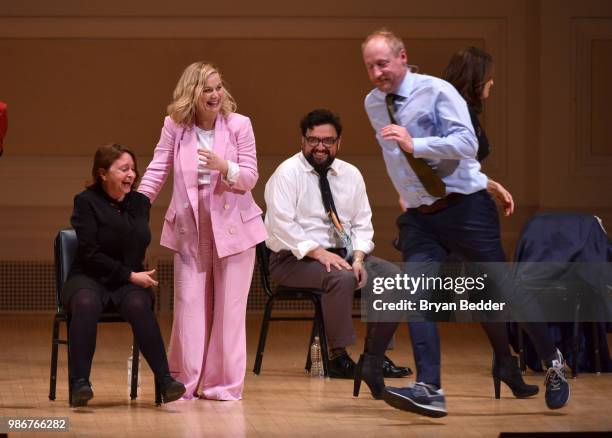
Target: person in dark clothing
<point x="111" y="221"/>
<point x="470" y="71"/>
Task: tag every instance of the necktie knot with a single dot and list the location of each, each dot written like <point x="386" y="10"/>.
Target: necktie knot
<point x="391" y="98"/>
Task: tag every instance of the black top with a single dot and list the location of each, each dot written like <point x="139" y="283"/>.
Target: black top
<point x="484" y="148"/>
<point x="113" y="236"/>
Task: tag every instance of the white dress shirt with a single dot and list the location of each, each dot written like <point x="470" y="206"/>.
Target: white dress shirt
<point x="296" y="219"/>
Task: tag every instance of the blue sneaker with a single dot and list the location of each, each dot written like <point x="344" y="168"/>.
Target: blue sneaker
<point x="557" y="388"/>
<point x="419" y="398"/>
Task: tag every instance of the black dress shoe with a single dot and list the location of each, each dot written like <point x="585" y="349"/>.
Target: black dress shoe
<point x="342" y="367"/>
<point x="392" y="370"/>
<point x="171" y="389"/>
<point x="81" y="392"/>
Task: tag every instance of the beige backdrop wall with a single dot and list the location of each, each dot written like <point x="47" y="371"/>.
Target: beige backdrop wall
<point x="79" y="74"/>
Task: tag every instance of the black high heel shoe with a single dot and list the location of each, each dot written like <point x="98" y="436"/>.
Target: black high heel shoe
<point x="370" y="369"/>
<point x="170" y="388"/>
<point x="506" y="370"/>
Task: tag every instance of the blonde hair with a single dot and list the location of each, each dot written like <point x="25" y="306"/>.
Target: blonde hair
<point x="395" y="43"/>
<point x="188" y="90"/>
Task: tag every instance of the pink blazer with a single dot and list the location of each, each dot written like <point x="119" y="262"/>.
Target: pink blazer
<point x="236" y="219"/>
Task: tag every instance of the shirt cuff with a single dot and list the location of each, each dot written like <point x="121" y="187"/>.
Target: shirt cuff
<point x="419" y="146"/>
<point x="233" y="172"/>
<point x="367" y="246"/>
<point x="304" y="248"/>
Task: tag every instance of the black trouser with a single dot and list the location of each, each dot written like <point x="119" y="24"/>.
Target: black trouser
<point x="136" y="308"/>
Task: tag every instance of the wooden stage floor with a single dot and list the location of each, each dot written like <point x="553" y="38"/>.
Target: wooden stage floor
<point x="283" y="400"/>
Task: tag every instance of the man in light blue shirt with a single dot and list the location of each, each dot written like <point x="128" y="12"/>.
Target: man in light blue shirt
<point x="434" y="124"/>
<point x="429" y="146"/>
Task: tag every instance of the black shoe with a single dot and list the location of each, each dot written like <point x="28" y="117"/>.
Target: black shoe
<point x="392" y="370"/>
<point x="81" y="392"/>
<point x="506" y="370"/>
<point x="171" y="389"/>
<point x="342" y="367"/>
<point x="369" y="369"/>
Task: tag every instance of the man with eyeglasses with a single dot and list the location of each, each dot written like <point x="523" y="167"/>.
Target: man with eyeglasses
<point x="320" y="232"/>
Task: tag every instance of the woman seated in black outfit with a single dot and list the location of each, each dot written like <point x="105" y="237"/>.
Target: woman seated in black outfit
<point x="111" y="221"/>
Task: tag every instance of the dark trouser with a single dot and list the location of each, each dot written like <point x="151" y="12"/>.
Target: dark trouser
<point x="338" y="288"/>
<point x="423" y="335"/>
<point x="136" y="308"/>
<point x="468" y="226"/>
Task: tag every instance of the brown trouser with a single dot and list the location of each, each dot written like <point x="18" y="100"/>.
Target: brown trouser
<point x="338" y="287"/>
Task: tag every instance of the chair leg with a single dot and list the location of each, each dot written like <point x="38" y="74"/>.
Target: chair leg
<point x="576" y="335"/>
<point x="322" y="337"/>
<point x="54" y="348"/>
<point x="135" y="367"/>
<point x="158" y="399"/>
<point x="575" y="349"/>
<point x="521" y="348"/>
<point x="263" y="334"/>
<point x="596" y="353"/>
<point x="68" y="362"/>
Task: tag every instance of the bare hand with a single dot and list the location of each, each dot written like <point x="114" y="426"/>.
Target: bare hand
<point x="143" y="279"/>
<point x="402" y="204"/>
<point x="502" y="195"/>
<point x="213" y="161"/>
<point x="329" y="259"/>
<point x="360" y="273"/>
<point x="400" y="135"/>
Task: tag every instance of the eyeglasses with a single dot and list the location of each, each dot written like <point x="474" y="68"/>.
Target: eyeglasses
<point x="328" y="142"/>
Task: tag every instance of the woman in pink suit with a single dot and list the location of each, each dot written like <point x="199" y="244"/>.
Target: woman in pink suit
<point x="213" y="225"/>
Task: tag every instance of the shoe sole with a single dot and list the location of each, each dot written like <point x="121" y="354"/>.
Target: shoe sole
<point x="80" y="399"/>
<point x="521" y="396"/>
<point x="531" y="394"/>
<point x="406" y="404"/>
<point x="173" y="395"/>
<point x="398" y="376"/>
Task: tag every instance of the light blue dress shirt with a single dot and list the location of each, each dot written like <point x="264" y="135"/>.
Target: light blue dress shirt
<point x="437" y="118"/>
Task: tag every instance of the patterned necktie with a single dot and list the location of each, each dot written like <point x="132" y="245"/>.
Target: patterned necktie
<point x="330" y="208"/>
<point x="430" y="179"/>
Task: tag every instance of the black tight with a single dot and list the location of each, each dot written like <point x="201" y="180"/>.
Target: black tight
<point x="378" y="335"/>
<point x="135" y="308"/>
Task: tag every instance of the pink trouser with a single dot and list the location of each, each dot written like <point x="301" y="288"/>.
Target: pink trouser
<point x="207" y="350"/>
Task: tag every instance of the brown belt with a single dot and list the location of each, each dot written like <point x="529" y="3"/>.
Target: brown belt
<point x="440" y="204"/>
